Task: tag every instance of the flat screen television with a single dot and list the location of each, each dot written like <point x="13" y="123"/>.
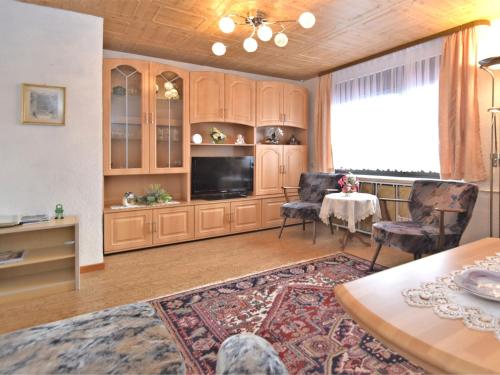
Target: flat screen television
<point x="221" y="177"/>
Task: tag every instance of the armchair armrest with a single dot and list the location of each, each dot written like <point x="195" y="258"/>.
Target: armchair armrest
<point x="442" y="211"/>
<point x="394" y="200"/>
<point x="285" y="188"/>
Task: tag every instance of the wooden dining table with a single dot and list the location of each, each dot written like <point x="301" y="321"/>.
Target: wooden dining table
<point x="438" y="345"/>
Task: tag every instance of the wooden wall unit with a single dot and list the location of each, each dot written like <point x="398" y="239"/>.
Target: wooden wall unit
<point x="50" y="263"/>
<point x="153" y="134"/>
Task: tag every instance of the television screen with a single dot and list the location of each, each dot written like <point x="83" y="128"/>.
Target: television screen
<point x="216" y="175"/>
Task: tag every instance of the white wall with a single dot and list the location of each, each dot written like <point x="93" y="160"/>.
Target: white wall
<point x="45" y="165"/>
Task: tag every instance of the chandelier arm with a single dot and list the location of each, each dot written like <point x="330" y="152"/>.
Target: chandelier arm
<point x="253" y="32"/>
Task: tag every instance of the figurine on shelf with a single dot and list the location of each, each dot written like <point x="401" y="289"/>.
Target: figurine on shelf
<point x="240" y="140"/>
<point x="293" y="140"/>
<point x="273" y="136"/>
<point x="59" y="212"/>
<point x="128" y="199"/>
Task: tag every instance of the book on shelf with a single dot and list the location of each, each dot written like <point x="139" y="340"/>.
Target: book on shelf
<point x="9" y="220"/>
<point x="29" y="219"/>
<point x="11" y="256"/>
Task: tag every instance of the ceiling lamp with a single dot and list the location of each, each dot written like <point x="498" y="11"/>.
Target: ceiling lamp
<point x="262" y="26"/>
<point x="307" y="20"/>
<point x="265" y="33"/>
<point x="218" y="48"/>
<point x="226" y="24"/>
<point x="250" y="44"/>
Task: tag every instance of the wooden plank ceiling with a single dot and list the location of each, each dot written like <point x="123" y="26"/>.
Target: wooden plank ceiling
<point x="345" y="31"/>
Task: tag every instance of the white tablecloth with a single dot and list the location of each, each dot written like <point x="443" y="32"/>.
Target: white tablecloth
<point x="351" y="207"/>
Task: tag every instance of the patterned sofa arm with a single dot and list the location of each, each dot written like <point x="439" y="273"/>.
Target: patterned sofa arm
<point x="246" y="353"/>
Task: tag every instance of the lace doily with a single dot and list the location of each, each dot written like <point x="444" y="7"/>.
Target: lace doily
<point x="450" y="301"/>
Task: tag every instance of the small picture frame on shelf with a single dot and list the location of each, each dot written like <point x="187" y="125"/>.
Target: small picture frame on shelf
<point x="43" y="105"/>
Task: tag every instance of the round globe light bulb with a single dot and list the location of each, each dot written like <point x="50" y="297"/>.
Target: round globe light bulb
<point x="280" y="39"/>
<point x="250" y="44"/>
<point x="219" y="49"/>
<point x="168" y="86"/>
<point x="307" y="20"/>
<point x="226" y="24"/>
<point x="265" y="33"/>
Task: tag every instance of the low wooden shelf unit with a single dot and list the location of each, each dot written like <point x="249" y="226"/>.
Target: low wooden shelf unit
<point x="50" y="263"/>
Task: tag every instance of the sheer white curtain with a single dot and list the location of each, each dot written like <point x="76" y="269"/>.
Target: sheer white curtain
<point x="385" y="112"/>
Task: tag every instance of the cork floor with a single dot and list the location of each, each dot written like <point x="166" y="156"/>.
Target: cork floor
<point x="147" y="274"/>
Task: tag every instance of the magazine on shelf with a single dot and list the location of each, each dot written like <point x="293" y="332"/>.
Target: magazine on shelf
<point x="11" y="256"/>
<point x="9" y="220"/>
<point x="28" y="219"/>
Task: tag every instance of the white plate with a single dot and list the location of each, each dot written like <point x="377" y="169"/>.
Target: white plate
<point x="482" y="283"/>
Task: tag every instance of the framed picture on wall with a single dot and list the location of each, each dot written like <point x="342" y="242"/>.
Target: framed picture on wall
<point x="43" y="105"/>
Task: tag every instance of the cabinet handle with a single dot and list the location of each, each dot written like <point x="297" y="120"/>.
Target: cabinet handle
<point x="152" y="119"/>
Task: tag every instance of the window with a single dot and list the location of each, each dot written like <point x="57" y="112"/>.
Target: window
<point x="385" y="114"/>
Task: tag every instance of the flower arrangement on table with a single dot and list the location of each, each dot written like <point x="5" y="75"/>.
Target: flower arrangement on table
<point x="349" y="183"/>
<point x="155" y="194"/>
<point x="216" y="135"/>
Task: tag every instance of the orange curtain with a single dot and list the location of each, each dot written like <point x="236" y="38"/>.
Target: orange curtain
<point x="459" y="138"/>
<point x="322" y="140"/>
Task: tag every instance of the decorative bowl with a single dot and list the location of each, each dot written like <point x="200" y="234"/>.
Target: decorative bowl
<point x="482" y="283"/>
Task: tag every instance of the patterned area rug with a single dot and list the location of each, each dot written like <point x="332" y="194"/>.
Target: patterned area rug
<point x="294" y="308"/>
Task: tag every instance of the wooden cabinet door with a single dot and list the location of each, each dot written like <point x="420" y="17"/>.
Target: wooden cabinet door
<point x="245" y="215"/>
<point x="269" y="103"/>
<point x="169" y="120"/>
<point x="271" y="212"/>
<point x="127" y="230"/>
<point x="268" y="168"/>
<point x="207" y="96"/>
<point x="295" y="163"/>
<point x="173" y="224"/>
<point x="239" y="100"/>
<point x="212" y="220"/>
<point x="295" y="106"/>
<point x="126" y="117"/>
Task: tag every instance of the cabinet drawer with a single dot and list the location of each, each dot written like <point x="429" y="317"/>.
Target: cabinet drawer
<point x="174" y="224"/>
<point x="212" y="220"/>
<point x="245" y="215"/>
<point x="127" y="230"/>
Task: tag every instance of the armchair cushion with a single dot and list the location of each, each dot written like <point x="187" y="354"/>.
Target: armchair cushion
<point x="301" y="210"/>
<point x="413" y="237"/>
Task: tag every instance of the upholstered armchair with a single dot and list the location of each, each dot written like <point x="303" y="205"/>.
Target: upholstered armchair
<point x="440" y="212"/>
<point x="312" y="189"/>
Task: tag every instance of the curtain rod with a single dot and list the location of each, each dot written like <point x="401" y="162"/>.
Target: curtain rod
<point x="407" y="45"/>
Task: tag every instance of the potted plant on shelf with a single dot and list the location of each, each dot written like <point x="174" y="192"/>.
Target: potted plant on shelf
<point x="217" y="136"/>
<point x="155" y="194"/>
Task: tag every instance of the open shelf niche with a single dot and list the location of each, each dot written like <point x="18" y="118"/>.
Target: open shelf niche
<point x="228" y="148"/>
<point x="176" y="184"/>
<point x="288" y="132"/>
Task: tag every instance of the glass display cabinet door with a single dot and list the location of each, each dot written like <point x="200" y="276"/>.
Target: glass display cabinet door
<point x="168" y="142"/>
<point x="126" y="116"/>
